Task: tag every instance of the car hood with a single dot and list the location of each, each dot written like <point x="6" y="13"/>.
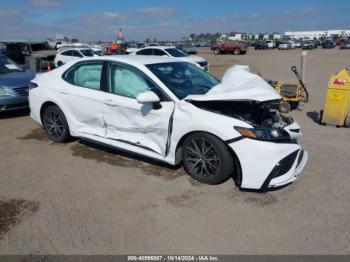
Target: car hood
<point x="191" y="58"/>
<point x="239" y="84"/>
<point x="17" y="79"/>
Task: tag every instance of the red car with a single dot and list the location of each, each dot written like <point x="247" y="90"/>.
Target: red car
<point x="229" y="47"/>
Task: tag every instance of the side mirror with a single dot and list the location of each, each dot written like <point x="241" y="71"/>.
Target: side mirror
<point x="147" y="97"/>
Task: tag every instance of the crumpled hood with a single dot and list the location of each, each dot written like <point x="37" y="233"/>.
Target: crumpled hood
<point x="239" y="84"/>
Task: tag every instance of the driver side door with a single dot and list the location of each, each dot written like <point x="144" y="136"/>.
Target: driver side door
<point x="145" y="125"/>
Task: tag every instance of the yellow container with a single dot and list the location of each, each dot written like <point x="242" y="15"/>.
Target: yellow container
<point x="336" y="108"/>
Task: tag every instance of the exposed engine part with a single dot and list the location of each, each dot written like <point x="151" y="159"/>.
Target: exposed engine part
<point x="258" y="114"/>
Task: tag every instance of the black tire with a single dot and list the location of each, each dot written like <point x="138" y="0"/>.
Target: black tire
<point x="284" y="107"/>
<point x="237" y="51"/>
<point x="55" y="124"/>
<point x="207" y="159"/>
<point x="59" y="63"/>
<point x="217" y="51"/>
<point x="294" y="105"/>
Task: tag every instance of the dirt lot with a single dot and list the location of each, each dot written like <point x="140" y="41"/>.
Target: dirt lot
<point x="80" y="199"/>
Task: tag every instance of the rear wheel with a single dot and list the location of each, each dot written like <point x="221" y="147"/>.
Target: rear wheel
<point x="217" y="51"/>
<point x="237" y="51"/>
<point x="59" y="63"/>
<point x="207" y="159"/>
<point x="55" y="124"/>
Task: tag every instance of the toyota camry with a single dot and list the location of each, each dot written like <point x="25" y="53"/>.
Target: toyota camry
<point x="174" y="112"/>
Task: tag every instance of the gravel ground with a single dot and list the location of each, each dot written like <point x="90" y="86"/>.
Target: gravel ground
<point x="81" y="199"/>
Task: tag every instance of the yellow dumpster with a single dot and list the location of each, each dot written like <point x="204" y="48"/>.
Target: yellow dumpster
<point x="336" y="108"/>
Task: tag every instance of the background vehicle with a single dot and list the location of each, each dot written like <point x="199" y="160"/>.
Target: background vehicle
<point x="229" y="47"/>
<point x="284" y="45"/>
<point x="173" y="53"/>
<point x="14" y="84"/>
<point x="189" y="49"/>
<point x="74" y="53"/>
<point x="150" y="106"/>
<point x="345" y="45"/>
<point x="261" y="45"/>
<point x="308" y="44"/>
<point x="41" y="51"/>
<point x="270" y="44"/>
<point x="328" y="44"/>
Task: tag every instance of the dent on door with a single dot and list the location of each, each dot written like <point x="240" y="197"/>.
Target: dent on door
<point x="139" y="124"/>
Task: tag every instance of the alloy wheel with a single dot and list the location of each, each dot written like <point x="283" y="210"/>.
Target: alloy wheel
<point x="202" y="158"/>
<point x="54" y="125"/>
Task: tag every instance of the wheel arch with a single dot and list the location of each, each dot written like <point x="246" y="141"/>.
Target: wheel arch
<point x="237" y="163"/>
<point x="44" y="106"/>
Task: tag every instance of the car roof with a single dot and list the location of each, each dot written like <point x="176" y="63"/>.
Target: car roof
<point x="135" y="59"/>
<point x="158" y="47"/>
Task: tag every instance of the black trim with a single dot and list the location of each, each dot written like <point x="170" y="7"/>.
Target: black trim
<point x="280" y="169"/>
<point x="233" y="140"/>
<point x="104" y="77"/>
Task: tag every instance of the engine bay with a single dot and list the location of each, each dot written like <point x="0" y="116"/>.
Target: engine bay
<point x="257" y="114"/>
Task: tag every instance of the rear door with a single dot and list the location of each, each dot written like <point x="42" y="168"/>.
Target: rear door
<point x="83" y="96"/>
<point x="145" y="125"/>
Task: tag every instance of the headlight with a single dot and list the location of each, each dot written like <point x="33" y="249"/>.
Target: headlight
<point x="265" y="134"/>
<point x="3" y="92"/>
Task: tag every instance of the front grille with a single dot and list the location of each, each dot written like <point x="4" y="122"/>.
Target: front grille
<point x="203" y="64"/>
<point x="289" y="90"/>
<point x="22" y="91"/>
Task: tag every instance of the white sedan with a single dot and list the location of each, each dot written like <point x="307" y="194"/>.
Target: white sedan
<point x="174" y="112"/>
<point x="68" y="54"/>
<point x="174" y="53"/>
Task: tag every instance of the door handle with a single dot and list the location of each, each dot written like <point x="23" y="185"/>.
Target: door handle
<point x="110" y="102"/>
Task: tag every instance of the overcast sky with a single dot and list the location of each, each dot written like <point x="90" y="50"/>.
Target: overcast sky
<point x="167" y="19"/>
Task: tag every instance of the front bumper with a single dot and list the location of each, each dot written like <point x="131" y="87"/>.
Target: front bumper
<point x="259" y="161"/>
<point x="11" y="103"/>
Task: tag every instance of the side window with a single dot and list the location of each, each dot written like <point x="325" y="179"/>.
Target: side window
<point x="85" y="75"/>
<point x="145" y="52"/>
<point x="159" y="52"/>
<point x="67" y="53"/>
<point x="129" y="82"/>
<point x="75" y="53"/>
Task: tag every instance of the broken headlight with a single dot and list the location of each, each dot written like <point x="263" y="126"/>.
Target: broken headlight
<point x="265" y="134"/>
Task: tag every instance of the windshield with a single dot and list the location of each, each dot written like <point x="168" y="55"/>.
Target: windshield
<point x="8" y="66"/>
<point x="87" y="52"/>
<point x="183" y="78"/>
<point x="175" y="52"/>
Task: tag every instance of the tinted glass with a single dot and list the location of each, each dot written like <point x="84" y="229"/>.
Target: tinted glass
<point x="8" y="66"/>
<point x="175" y="52"/>
<point x="145" y="52"/>
<point x="85" y="75"/>
<point x="67" y="53"/>
<point x="183" y="78"/>
<point x="159" y="52"/>
<point x="76" y="53"/>
<point x="87" y="52"/>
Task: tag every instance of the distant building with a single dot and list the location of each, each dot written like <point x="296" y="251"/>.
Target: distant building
<point x="317" y="34"/>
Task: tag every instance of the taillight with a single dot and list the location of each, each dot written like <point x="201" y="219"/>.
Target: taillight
<point x="32" y="85"/>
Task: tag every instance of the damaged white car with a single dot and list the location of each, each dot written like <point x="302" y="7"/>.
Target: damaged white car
<point x="174" y="112"/>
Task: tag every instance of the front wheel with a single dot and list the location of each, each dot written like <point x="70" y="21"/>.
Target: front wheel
<point x="55" y="124"/>
<point x="237" y="51"/>
<point x="217" y="51"/>
<point x="207" y="159"/>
